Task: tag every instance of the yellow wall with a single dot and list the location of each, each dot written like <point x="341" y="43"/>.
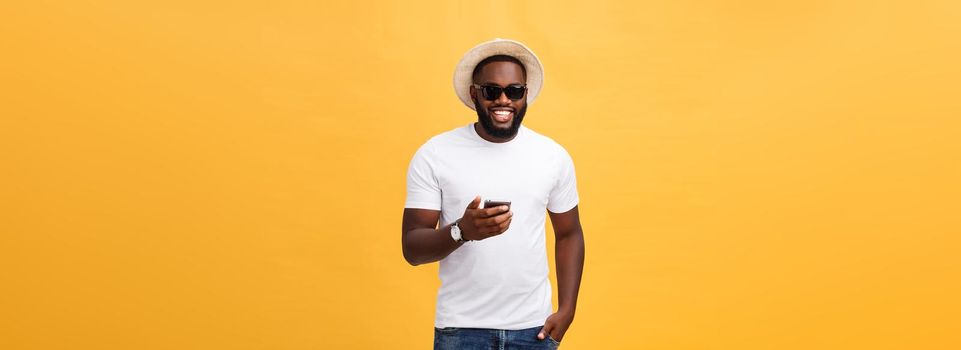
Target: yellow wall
<point x="230" y="175"/>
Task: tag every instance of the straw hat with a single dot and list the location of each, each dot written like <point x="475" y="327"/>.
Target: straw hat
<point x="465" y="68"/>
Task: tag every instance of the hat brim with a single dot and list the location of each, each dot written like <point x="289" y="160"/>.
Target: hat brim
<point x="465" y="68"/>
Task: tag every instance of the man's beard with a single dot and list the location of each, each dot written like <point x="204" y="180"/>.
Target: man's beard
<point x="488" y="123"/>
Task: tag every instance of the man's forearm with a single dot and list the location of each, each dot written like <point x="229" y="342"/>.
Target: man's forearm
<point x="569" y="256"/>
<point x="426" y="245"/>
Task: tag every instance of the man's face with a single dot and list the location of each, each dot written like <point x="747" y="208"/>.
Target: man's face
<point x="501" y="118"/>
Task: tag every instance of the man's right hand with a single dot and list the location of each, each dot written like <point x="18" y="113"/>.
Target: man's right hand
<point x="478" y="224"/>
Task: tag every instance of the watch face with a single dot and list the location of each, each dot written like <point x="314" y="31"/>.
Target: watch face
<point x="455" y="232"/>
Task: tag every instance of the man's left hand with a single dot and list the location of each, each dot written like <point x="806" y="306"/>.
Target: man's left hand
<point x="556" y="325"/>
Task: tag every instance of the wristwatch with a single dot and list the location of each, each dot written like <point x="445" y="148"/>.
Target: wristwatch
<point x="455" y="232"/>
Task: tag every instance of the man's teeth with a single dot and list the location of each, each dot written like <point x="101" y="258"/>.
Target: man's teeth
<point x="502" y="113"/>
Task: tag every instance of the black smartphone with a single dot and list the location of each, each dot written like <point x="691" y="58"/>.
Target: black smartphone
<point x="496" y="203"/>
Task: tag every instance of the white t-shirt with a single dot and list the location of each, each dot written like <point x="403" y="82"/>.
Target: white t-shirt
<point x="499" y="282"/>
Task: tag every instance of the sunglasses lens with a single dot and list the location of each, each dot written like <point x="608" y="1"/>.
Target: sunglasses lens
<point x="491" y="92"/>
<point x="514" y="92"/>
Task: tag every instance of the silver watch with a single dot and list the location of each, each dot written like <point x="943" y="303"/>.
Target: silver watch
<point x="455" y="232"/>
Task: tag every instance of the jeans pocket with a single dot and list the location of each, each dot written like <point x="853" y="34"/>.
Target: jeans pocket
<point x="552" y="340"/>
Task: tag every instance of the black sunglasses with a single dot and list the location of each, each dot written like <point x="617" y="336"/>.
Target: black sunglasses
<point x="493" y="92"/>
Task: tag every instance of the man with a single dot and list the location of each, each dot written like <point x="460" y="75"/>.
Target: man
<point x="495" y="291"/>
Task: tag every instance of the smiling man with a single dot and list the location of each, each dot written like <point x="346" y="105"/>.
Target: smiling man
<point x="495" y="291"/>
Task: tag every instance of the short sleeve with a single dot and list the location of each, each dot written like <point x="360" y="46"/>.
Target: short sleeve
<point x="423" y="191"/>
<point x="564" y="194"/>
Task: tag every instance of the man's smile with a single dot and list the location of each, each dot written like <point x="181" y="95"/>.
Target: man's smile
<point x="502" y="115"/>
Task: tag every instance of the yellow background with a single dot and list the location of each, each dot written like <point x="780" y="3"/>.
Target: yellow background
<point x="230" y="175"/>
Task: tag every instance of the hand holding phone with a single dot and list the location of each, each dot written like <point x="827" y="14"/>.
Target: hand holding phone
<point x="481" y="223"/>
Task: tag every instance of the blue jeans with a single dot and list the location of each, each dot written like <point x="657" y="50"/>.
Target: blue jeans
<point x="451" y="338"/>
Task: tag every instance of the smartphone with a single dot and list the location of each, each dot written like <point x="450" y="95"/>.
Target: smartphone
<point x="495" y="203"/>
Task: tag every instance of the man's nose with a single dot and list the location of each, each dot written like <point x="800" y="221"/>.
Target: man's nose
<point x="502" y="99"/>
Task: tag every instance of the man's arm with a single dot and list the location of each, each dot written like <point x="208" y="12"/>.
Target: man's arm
<point x="569" y="258"/>
<point x="423" y="242"/>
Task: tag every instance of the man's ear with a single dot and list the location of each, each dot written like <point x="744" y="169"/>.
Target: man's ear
<point x="473" y="94"/>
